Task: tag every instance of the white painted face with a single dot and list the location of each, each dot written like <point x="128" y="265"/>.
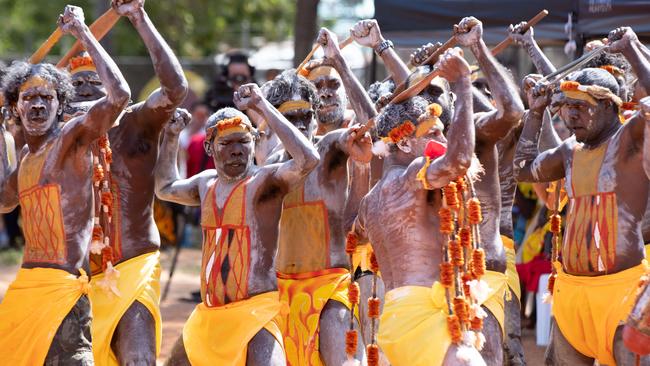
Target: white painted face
<point x="37" y="106"/>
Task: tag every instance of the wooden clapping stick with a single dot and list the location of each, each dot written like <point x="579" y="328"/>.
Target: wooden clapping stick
<point x="99" y="29"/>
<point x="451" y="42"/>
<point x="506" y="42"/>
<point x="342" y="45"/>
<point x="46" y="47"/>
<point x="566" y="69"/>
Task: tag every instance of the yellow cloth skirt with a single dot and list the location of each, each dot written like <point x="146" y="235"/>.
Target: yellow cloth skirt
<point x="139" y="280"/>
<point x="511" y="269"/>
<point x="498" y="283"/>
<point x="306" y="295"/>
<point x="413" y="326"/>
<point x="588" y="309"/>
<point x="33" y="308"/>
<point x="220" y="335"/>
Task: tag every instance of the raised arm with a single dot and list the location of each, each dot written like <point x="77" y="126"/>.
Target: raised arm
<point x="527" y="41"/>
<point x="304" y="157"/>
<point x="529" y="164"/>
<point x="493" y="125"/>
<point x="8" y="177"/>
<point x="548" y="138"/>
<point x="358" y="187"/>
<point x="367" y="33"/>
<point x="101" y="116"/>
<point x="460" y="137"/>
<point x="624" y="40"/>
<point x="645" y="113"/>
<point x="359" y="99"/>
<point x="169" y="185"/>
<point x="161" y="104"/>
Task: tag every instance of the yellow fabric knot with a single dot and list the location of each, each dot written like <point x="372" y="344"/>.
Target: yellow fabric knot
<point x="422" y="174"/>
<point x="84" y="282"/>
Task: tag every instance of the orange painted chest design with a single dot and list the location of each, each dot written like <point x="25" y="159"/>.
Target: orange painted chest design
<point x="226" y="248"/>
<point x="41" y="212"/>
<point x="591" y="228"/>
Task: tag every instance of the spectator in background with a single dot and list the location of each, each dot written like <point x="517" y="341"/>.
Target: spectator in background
<point x="200" y="113"/>
<point x="236" y="72"/>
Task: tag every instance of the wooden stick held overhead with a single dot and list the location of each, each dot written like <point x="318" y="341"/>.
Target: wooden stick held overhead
<point x="346" y="42"/>
<point x="532" y="22"/>
<point x="99" y="29"/>
<point x="46" y="47"/>
<point x="451" y="42"/>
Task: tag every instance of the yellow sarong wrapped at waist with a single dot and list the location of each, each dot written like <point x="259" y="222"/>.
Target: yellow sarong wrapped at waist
<point x="139" y="280"/>
<point x="220" y="335"/>
<point x="306" y="295"/>
<point x="498" y="283"/>
<point x="413" y="326"/>
<point x="33" y="308"/>
<point x="588" y="309"/>
<point x="511" y="269"/>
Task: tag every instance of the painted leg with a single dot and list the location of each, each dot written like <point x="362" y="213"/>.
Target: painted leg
<point x="178" y="356"/>
<point x="334" y="322"/>
<point x="265" y="350"/>
<point x="134" y="340"/>
<point x="71" y="344"/>
<point x="513" y="349"/>
<point x="492" y="351"/>
<point x="560" y="353"/>
<point x="624" y="356"/>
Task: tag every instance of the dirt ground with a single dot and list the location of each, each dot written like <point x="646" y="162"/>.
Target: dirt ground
<point x="176" y="308"/>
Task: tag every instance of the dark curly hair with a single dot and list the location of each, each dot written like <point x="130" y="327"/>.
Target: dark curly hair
<point x="21" y="71"/>
<point x="614" y="59"/>
<point x="288" y="84"/>
<point x="394" y="114"/>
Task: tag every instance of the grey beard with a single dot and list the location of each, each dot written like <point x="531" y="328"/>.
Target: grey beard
<point x="335" y="118"/>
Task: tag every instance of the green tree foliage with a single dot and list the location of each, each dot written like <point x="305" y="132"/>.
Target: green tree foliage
<point x="194" y="28"/>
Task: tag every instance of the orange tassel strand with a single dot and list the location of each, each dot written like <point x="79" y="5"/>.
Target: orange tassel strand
<point x="373" y="307"/>
<point x="461" y="309"/>
<point x="374" y="265"/>
<point x="351" y="243"/>
<point x="98" y="173"/>
<point x="466" y="278"/>
<point x="351" y="341"/>
<point x="372" y="350"/>
<point x="98" y="233"/>
<point x="107" y="198"/>
<point x="478" y="262"/>
<point x="353" y="292"/>
<point x="475" y="215"/>
<point x="461" y="184"/>
<point x="456" y="253"/>
<point x="551" y="283"/>
<point x="103" y="142"/>
<point x="107" y="256"/>
<point x="446" y="274"/>
<point x="446" y="221"/>
<point x="108" y="156"/>
<point x="465" y="237"/>
<point x="451" y="196"/>
<point x="476" y="324"/>
<point x="556" y="223"/>
<point x="453" y="325"/>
